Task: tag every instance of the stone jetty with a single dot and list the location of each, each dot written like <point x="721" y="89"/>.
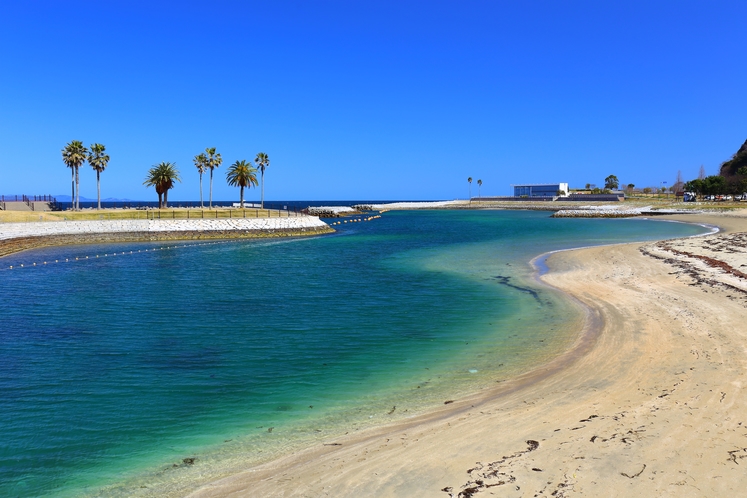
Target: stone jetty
<point x="597" y="213"/>
<point x="332" y="211"/>
<point x="16" y="237"/>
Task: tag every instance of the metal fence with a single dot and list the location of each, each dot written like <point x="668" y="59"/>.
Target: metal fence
<point x="513" y="198"/>
<point x="595" y="197"/>
<point x="29" y="200"/>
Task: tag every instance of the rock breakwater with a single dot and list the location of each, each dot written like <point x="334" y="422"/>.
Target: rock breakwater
<point x="16" y="237"/>
<point x="596" y="213"/>
<point x="332" y="211"/>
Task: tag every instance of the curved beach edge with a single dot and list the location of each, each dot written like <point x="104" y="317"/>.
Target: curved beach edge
<point x="648" y="400"/>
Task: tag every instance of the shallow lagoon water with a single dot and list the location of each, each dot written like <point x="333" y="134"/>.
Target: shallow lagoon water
<point x="117" y="368"/>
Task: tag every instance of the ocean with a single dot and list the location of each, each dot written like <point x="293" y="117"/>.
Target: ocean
<point x="146" y="369"/>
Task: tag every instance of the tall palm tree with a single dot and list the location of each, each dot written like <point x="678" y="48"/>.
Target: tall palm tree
<point x="469" y="180"/>
<point x="74" y="155"/>
<point x="201" y="164"/>
<point x="479" y="187"/>
<point x="162" y="176"/>
<point x="98" y="159"/>
<point x="262" y="161"/>
<point x="213" y="161"/>
<point x="241" y="174"/>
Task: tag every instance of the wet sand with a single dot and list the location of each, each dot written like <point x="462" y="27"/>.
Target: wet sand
<point x="649" y="402"/>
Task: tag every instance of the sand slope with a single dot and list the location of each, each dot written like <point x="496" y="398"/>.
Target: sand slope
<point x="652" y="405"/>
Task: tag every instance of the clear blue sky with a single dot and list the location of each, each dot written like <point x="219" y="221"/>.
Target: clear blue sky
<point x="371" y="99"/>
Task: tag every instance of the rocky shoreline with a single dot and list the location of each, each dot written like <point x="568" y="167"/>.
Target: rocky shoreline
<point x="332" y="211"/>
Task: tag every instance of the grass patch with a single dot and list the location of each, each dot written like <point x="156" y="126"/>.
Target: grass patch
<point x="140" y="214"/>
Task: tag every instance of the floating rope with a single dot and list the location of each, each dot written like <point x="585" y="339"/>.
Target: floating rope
<point x="105" y="255"/>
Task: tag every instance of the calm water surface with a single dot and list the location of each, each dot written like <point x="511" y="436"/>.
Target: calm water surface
<point x="114" y="369"/>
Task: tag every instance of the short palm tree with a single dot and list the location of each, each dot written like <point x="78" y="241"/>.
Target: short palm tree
<point x="98" y="159"/>
<point x="469" y="180"/>
<point x="74" y="155"/>
<point x="241" y="174"/>
<point x="479" y="187"/>
<point x="201" y="164"/>
<point x="162" y="176"/>
<point x="262" y="161"/>
<point x="213" y="161"/>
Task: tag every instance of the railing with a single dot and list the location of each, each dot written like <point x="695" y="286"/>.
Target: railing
<point x="513" y="198"/>
<point x="595" y="197"/>
<point x="27" y="198"/>
<point x="215" y="214"/>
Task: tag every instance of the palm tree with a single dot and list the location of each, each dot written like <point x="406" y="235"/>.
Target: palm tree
<point x="98" y="160"/>
<point x="162" y="176"/>
<point x="241" y="174"/>
<point x="74" y="155"/>
<point x="262" y="161"/>
<point x="213" y="161"/>
<point x="479" y="187"/>
<point x="469" y="180"/>
<point x="201" y="164"/>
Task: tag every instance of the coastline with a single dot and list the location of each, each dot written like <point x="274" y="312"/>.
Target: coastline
<point x="17" y="237"/>
<point x="608" y="419"/>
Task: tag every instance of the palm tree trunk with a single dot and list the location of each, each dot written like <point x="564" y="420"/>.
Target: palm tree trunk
<point x="241" y="196"/>
<point x="72" y="194"/>
<point x="211" y="188"/>
<point x="201" y="206"/>
<point x="263" y="188"/>
<point x="166" y="199"/>
<point x="77" y="190"/>
<point x="98" y="186"/>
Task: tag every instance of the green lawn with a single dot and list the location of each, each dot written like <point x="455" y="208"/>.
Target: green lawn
<point x="137" y="214"/>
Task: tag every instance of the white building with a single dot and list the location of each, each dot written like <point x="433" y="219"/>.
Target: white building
<point x="540" y="189"/>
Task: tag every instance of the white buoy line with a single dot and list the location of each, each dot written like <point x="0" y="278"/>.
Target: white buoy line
<point x="357" y="220"/>
<point x="108" y="255"/>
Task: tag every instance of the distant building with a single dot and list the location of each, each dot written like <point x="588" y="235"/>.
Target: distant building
<point x="540" y="189"/>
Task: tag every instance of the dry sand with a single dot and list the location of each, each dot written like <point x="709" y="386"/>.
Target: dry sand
<point x="649" y="403"/>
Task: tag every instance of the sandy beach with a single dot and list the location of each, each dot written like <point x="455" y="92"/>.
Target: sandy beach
<point x="649" y="401"/>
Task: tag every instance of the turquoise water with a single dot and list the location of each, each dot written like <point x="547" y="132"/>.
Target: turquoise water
<point x="116" y="368"/>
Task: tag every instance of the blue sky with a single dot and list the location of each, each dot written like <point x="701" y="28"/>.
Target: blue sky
<point x="371" y="100"/>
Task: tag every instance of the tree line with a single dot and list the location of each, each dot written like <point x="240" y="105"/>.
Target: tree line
<point x="731" y="180"/>
<point x="164" y="175"/>
<point x="720" y="185"/>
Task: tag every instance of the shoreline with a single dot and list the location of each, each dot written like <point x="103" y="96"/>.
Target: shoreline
<point x="439" y="460"/>
<point x="25" y="236"/>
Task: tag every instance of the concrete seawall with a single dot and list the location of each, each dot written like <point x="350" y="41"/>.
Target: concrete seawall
<point x="16" y="237"/>
<point x="596" y="213"/>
